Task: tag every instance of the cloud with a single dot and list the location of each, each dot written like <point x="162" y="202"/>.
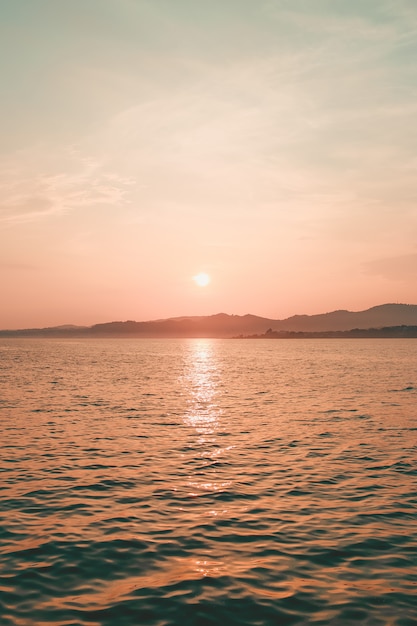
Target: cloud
<point x="36" y="185"/>
<point x="308" y="129"/>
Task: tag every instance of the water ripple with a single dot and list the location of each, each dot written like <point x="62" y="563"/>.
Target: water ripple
<point x="208" y="482"/>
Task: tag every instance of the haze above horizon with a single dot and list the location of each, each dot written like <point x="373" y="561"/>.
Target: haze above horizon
<point x="269" y="147"/>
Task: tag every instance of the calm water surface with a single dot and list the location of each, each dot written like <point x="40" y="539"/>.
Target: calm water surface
<point x="204" y="482"/>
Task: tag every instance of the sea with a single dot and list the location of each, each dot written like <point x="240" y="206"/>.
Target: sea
<point x="206" y="482"/>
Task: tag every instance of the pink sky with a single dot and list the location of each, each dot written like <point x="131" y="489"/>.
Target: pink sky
<point x="268" y="144"/>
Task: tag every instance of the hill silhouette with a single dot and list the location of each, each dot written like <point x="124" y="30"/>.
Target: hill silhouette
<point x="223" y="325"/>
<point x="375" y="317"/>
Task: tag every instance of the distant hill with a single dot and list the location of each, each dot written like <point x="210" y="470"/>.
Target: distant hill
<point x="375" y="317"/>
<point x="223" y="325"/>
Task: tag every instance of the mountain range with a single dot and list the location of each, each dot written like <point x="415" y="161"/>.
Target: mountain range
<point x="223" y="325"/>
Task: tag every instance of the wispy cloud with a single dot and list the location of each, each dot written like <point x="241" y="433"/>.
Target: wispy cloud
<point x="35" y="186"/>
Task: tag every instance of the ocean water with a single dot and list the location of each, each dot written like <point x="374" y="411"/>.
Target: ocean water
<point x="205" y="482"/>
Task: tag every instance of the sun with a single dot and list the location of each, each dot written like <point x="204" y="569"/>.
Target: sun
<point x="202" y="279"/>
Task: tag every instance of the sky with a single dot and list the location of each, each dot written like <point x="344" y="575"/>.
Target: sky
<point x="271" y="144"/>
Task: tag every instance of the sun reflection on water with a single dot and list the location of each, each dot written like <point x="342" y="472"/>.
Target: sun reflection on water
<point x="201" y="380"/>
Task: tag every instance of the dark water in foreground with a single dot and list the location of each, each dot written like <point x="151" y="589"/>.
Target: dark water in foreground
<point x="208" y="482"/>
